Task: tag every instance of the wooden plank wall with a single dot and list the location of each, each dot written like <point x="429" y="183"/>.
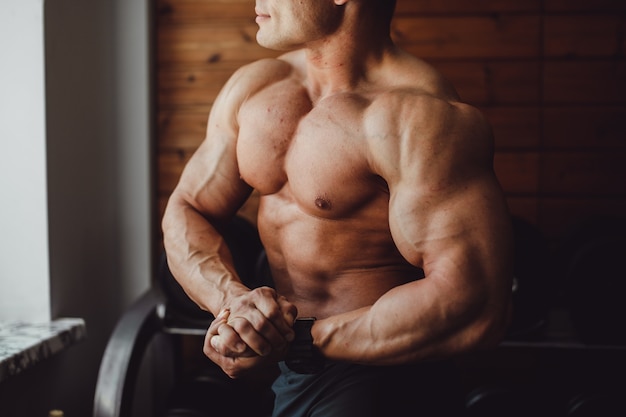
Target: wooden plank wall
<point x="549" y="74"/>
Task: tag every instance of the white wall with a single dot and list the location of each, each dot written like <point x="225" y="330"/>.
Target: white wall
<point x="99" y="199"/>
<point x="24" y="276"/>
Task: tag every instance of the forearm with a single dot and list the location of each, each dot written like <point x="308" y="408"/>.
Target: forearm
<point x="198" y="256"/>
<point x="409" y="324"/>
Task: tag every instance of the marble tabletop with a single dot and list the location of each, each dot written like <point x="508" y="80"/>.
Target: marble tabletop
<point x="22" y="345"/>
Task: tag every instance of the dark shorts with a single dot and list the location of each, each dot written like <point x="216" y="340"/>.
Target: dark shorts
<point x="346" y="390"/>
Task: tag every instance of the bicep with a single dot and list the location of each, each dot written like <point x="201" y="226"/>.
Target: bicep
<point x="447" y="215"/>
<point x="426" y="224"/>
<point x="461" y="238"/>
<point x="445" y="202"/>
<point x="211" y="182"/>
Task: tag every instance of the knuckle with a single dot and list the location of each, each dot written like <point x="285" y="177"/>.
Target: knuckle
<point x="239" y="324"/>
<point x="226" y="338"/>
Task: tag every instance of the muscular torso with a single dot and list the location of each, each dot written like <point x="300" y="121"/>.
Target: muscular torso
<point x="324" y="212"/>
<point x="369" y="178"/>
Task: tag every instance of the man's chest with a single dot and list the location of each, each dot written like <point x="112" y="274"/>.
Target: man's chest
<point x="319" y="154"/>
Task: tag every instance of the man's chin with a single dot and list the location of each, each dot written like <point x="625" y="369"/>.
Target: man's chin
<point x="275" y="45"/>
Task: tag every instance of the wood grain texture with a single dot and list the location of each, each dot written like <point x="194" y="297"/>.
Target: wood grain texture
<point x="549" y="75"/>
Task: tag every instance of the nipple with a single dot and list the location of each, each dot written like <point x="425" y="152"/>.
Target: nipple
<point x="323" y="204"/>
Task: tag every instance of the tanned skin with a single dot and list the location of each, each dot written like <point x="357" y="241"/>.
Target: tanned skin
<point x="370" y="170"/>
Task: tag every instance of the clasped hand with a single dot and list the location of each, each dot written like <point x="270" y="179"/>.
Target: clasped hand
<point x="252" y="329"/>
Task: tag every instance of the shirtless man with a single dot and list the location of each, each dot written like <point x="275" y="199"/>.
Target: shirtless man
<point x="370" y="172"/>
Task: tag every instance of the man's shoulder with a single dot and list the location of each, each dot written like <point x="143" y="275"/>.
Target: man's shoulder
<point x="260" y="73"/>
<point x="413" y="87"/>
<point x="422" y="113"/>
<point x="417" y="106"/>
<point x="413" y="77"/>
<point x="250" y="79"/>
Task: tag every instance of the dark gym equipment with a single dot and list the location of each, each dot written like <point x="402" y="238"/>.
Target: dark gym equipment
<point x="499" y="401"/>
<point x="599" y="404"/>
<point x="595" y="281"/>
<point x="534" y="285"/>
<point x="551" y="373"/>
<point x="166" y="314"/>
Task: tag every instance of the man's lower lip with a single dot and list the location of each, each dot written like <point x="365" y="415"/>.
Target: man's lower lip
<point x="261" y="18"/>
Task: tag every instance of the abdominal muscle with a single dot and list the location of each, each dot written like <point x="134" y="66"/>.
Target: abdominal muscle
<point x="328" y="266"/>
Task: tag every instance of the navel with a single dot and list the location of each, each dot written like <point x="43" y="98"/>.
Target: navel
<point x="323" y="203"/>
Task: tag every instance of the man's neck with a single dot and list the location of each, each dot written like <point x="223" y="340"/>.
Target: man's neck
<point x="344" y="61"/>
